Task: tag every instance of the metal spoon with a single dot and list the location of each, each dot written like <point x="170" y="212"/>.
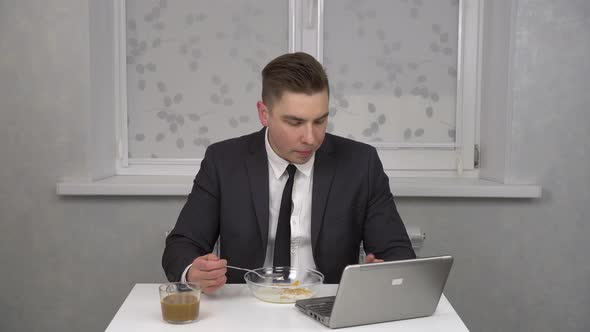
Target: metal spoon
<point x="248" y="270"/>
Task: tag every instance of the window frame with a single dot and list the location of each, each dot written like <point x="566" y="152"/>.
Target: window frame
<point x="306" y="34"/>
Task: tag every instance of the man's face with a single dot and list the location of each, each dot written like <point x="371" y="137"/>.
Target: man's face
<point x="296" y="124"/>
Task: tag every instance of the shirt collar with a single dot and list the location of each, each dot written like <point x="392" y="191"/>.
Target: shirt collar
<point x="279" y="165"/>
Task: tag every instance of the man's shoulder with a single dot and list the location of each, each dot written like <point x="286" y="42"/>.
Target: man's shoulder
<point x="343" y="144"/>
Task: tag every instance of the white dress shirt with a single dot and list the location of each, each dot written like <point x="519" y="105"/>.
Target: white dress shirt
<point x="301" y="253"/>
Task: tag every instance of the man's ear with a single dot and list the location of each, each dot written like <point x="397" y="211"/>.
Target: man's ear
<point x="262" y="113"/>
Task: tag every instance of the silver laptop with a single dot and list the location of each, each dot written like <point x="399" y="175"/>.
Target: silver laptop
<point x="382" y="292"/>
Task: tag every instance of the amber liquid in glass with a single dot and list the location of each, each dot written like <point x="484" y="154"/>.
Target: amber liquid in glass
<point x="180" y="308"/>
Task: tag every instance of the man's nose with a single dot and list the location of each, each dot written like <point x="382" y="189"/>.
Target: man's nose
<point x="308" y="137"/>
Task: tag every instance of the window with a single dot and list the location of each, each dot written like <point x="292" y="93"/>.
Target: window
<point x="403" y="75"/>
<point x="123" y="139"/>
<point x="193" y="77"/>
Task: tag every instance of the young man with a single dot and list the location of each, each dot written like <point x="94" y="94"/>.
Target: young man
<point x="288" y="195"/>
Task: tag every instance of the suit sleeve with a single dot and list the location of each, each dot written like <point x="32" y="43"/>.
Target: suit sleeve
<point x="197" y="227"/>
<point x="384" y="233"/>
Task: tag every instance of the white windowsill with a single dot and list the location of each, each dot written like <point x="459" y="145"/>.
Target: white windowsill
<point x="177" y="185"/>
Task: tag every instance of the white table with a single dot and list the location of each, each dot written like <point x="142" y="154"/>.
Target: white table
<point x="234" y="308"/>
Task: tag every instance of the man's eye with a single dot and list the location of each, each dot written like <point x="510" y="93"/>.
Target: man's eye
<point x="294" y="123"/>
<point x="321" y="121"/>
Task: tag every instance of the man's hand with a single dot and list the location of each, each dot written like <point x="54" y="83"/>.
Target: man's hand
<point x="370" y="258"/>
<point x="209" y="272"/>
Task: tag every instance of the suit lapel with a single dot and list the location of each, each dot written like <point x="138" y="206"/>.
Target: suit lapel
<point x="257" y="165"/>
<point x="323" y="174"/>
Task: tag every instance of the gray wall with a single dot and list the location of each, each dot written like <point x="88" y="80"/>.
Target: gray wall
<point x="67" y="263"/>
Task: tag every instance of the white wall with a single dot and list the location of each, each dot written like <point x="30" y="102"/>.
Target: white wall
<point x="67" y="263"/>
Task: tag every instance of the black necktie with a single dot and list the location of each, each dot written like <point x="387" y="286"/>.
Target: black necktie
<point x="282" y="256"/>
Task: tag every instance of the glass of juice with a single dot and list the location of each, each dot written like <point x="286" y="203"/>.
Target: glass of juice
<point x="180" y="302"/>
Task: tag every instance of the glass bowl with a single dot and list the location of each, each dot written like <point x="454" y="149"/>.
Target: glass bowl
<point x="284" y="284"/>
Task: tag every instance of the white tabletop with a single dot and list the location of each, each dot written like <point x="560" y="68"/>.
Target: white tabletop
<point x="234" y="308"/>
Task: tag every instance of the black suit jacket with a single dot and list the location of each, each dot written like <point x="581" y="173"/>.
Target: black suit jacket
<point x="351" y="202"/>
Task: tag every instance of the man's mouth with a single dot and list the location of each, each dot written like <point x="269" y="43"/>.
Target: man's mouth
<point x="304" y="153"/>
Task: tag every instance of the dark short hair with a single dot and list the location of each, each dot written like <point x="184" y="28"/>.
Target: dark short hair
<point x="294" y="72"/>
